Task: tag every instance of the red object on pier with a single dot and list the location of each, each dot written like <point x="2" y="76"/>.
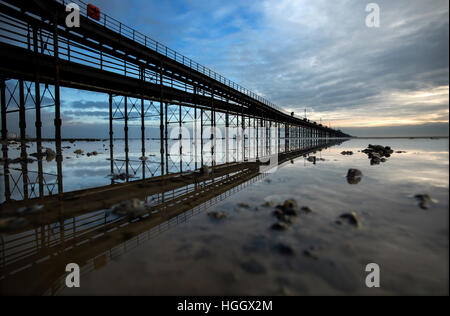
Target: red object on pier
<point x="93" y="12"/>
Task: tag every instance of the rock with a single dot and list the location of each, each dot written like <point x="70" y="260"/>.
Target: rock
<point x="354" y="173"/>
<point x="284" y="249"/>
<point x="289" y="204"/>
<point x="78" y="152"/>
<point x="244" y="205"/>
<point x="143" y="158"/>
<point x="217" y="215"/>
<point x="354" y="180"/>
<point x="375" y="161"/>
<point x="94" y="153"/>
<point x="280" y="226"/>
<point x="351" y="218"/>
<point x="285" y="291"/>
<point x="378" y="153"/>
<point x="253" y="267"/>
<point x="268" y="204"/>
<point x="49" y="152"/>
<point x="290" y="212"/>
<point x="278" y="213"/>
<point x="312" y="159"/>
<point x="424" y="200"/>
<point x="306" y="209"/>
<point x="132" y="208"/>
<point x="347" y="153"/>
<point x="285" y="219"/>
<point x="354" y="176"/>
<point x="308" y="253"/>
<point x="375" y="155"/>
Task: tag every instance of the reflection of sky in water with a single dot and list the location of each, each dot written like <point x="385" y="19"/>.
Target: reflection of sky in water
<point x="204" y="256"/>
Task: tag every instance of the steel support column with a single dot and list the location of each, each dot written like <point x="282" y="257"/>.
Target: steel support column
<point x="111" y="136"/>
<point x="125" y="129"/>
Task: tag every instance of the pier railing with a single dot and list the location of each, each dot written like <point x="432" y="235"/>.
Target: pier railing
<point x="162" y="49"/>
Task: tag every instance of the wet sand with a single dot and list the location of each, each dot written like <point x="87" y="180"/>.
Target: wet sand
<point x="240" y="253"/>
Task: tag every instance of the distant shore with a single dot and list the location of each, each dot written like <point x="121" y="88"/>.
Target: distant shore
<point x="157" y="138"/>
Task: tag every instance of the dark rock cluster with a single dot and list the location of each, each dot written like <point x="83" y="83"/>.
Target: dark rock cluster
<point x="286" y="213"/>
<point x="354" y="176"/>
<point x="378" y="153"/>
<point x="424" y="200"/>
<point x="350" y="218"/>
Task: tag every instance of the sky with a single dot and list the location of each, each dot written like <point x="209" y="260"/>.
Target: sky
<point x="302" y="54"/>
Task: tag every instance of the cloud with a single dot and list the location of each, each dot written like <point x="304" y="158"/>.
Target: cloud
<point x="317" y="55"/>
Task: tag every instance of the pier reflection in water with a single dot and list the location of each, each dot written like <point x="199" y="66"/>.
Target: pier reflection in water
<point x="50" y="227"/>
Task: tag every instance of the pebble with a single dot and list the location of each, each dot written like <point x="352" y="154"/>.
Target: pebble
<point x="424" y="200"/>
<point x="280" y="226"/>
<point x="306" y="209"/>
<point x="351" y="218"/>
<point x="268" y="204"/>
<point x="354" y="176"/>
<point x="49" y="152"/>
<point x="289" y="204"/>
<point x="308" y="253"/>
<point x="354" y="173"/>
<point x="285" y="249"/>
<point x="217" y="215"/>
<point x="253" y="267"/>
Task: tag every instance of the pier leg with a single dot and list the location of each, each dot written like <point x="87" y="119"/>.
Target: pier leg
<point x="180" y="138"/>
<point x="143" y="137"/>
<point x="166" y="135"/>
<point x="111" y="137"/>
<point x="195" y="137"/>
<point x="243" y="138"/>
<point x="23" y="151"/>
<point x="227" y="137"/>
<point x="58" y="122"/>
<point x="201" y="137"/>
<point x="3" y="105"/>
<point x="126" y="138"/>
<point x="38" y="125"/>
<point x="161" y="135"/>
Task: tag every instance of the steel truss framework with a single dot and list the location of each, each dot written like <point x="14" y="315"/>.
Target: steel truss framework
<point x="146" y="83"/>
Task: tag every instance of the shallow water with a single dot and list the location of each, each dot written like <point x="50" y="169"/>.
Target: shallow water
<point x="240" y="254"/>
